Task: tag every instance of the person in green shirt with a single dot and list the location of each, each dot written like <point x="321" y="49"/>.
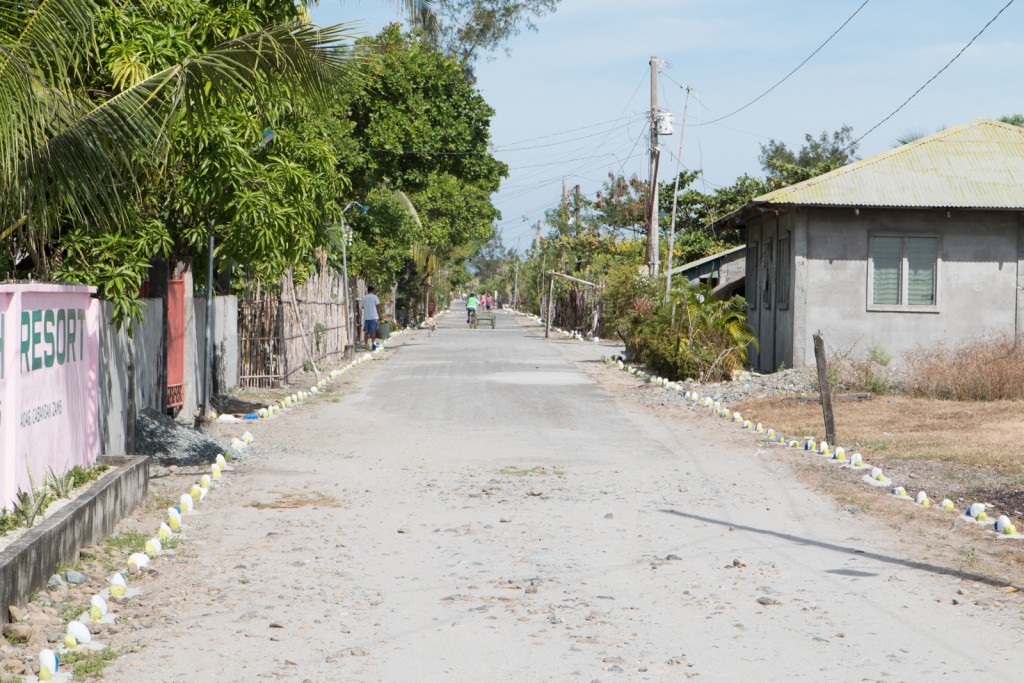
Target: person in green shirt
<point x="472" y="303"/>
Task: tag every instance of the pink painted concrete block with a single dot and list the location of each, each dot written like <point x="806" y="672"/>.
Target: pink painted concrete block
<point x="49" y="385"/>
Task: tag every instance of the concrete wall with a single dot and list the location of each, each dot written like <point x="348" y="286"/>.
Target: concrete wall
<point x="225" y="343"/>
<point x="977" y="282"/>
<point x="26" y="564"/>
<point x="120" y="356"/>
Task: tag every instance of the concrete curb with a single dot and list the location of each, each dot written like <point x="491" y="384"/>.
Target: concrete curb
<point x="27" y="564"/>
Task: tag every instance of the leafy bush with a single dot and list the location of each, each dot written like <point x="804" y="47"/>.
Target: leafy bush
<point x="83" y="475"/>
<point x="694" y="334"/>
<point x="982" y="369"/>
<point x="629" y="301"/>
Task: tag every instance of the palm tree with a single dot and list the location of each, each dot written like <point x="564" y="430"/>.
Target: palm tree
<point x="714" y="331"/>
<point x="65" y="157"/>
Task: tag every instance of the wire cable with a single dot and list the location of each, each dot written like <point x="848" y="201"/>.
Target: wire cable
<point x="937" y="74"/>
<point x="786" y="77"/>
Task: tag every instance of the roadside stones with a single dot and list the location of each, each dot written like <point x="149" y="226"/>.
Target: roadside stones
<point x="75" y="578"/>
<point x="18" y="632"/>
<point x="17" y="613"/>
<point x="55" y="583"/>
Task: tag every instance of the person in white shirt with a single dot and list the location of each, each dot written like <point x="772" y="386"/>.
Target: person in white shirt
<point x="371" y="314"/>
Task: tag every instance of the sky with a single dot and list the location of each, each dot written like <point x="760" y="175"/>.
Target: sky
<point x="572" y="100"/>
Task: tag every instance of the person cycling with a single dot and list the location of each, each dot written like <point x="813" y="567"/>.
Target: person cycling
<point x="472" y="303"/>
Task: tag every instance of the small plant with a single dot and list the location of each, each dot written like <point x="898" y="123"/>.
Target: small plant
<point x="318" y="334"/>
<point x="8" y="521"/>
<point x="84" y="475"/>
<point x="30" y="505"/>
<point x="129" y="541"/>
<point x="60" y="485"/>
<point x="88" y="664"/>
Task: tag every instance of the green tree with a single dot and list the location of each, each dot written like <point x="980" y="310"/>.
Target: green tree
<point x="422" y="129"/>
<point x="156" y="115"/>
<point x="468" y="28"/>
<point x="818" y="155"/>
<point x="1013" y="120"/>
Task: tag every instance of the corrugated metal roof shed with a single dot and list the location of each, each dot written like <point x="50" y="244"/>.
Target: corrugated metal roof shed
<point x="977" y="165"/>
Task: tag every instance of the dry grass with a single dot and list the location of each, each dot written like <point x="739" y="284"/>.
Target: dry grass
<point x="538" y="471"/>
<point x="966" y="451"/>
<point x="984" y="369"/>
<point x="897" y="428"/>
<point x="291" y="501"/>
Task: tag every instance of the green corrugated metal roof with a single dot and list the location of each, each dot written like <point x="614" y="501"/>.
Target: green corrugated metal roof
<point x="977" y="165"/>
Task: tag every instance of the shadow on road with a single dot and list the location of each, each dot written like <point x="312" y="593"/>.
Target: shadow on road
<point x="800" y="540"/>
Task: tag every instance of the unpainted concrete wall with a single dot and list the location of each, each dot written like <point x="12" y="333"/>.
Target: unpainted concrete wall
<point x="976" y="287"/>
<point x="27" y="564"/>
<point x="225" y="343"/>
<point x="119" y="357"/>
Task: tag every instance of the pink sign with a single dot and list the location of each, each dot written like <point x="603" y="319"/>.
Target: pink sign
<point x="49" y="344"/>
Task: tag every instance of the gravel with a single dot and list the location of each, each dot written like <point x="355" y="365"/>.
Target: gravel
<point x="746" y="386"/>
<point x="750" y="385"/>
<point x="164" y="439"/>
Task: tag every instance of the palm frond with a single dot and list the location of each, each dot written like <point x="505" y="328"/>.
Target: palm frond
<point x="85" y="162"/>
<point x="409" y="207"/>
<point x="44" y="46"/>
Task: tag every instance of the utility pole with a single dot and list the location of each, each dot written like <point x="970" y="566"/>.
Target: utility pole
<point x="540" y="275"/>
<point x="652" y="227"/>
<point x="576" y="209"/>
<point x="565" y="198"/>
<point x="515" y="288"/>
<point x="675" y="198"/>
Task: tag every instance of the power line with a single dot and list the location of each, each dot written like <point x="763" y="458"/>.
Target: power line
<point x="937" y="74"/>
<point x="498" y="150"/>
<point x="786" y="77"/>
<point x="630" y="155"/>
<point x="564" y="132"/>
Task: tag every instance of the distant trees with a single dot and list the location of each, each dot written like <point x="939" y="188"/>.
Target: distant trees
<point x="466" y="29"/>
<point x="821" y="154"/>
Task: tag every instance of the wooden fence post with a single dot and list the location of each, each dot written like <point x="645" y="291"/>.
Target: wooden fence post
<point x="826" y="392"/>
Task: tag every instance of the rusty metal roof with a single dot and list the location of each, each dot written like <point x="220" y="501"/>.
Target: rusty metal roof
<point x="977" y="165"/>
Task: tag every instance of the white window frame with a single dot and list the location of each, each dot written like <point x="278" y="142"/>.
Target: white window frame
<point x="904" y="274"/>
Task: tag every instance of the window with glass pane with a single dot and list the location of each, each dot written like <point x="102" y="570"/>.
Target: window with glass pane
<point x="886" y="259"/>
<point x="921" y="258"/>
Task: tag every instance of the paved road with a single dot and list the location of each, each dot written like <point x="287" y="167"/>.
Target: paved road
<point x="487" y="506"/>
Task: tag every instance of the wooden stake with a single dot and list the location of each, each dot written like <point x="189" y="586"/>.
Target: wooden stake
<point x="826" y="392"/>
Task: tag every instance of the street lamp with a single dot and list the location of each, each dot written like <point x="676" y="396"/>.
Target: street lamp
<point x="363" y="208"/>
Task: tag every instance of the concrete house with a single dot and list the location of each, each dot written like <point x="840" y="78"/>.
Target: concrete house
<point x="921" y="244"/>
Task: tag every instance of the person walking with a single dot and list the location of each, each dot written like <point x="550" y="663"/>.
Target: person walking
<point x="371" y="315"/>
